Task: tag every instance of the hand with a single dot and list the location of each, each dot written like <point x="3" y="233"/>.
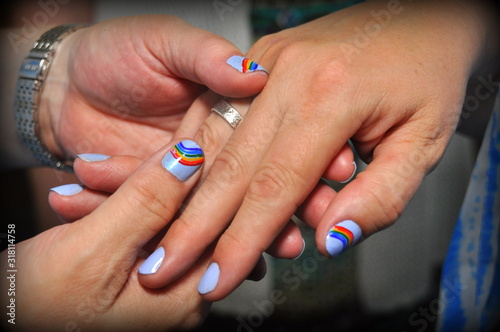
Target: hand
<point x="398" y="96"/>
<point x="103" y="177"/>
<point x="124" y="85"/>
<point x="82" y="275"/>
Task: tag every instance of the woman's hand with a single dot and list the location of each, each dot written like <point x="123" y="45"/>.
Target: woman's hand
<point x="83" y="275"/>
<point x="123" y="86"/>
<point x="397" y="94"/>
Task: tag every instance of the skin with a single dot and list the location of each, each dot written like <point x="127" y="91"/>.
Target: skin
<point x="400" y="116"/>
<point x="398" y="96"/>
<point x="103" y="178"/>
<point x="123" y="86"/>
<point x="83" y="274"/>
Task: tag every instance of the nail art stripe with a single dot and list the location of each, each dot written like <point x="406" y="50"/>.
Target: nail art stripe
<point x="249" y="65"/>
<point x="183" y="160"/>
<point x="244" y="65"/>
<point x="342" y="234"/>
<point x="188" y="156"/>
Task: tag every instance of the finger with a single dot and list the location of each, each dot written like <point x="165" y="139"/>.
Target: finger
<point x="103" y="173"/>
<point x="283" y="177"/>
<point x="188" y="238"/>
<point x="72" y="202"/>
<point x="377" y="197"/>
<point x="343" y="166"/>
<point x="146" y="202"/>
<point x="312" y="209"/>
<point x="209" y="60"/>
<point x="259" y="271"/>
<point x="289" y="244"/>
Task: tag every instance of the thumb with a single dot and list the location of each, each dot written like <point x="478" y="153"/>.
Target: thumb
<point x="203" y="57"/>
<point x="377" y="197"/>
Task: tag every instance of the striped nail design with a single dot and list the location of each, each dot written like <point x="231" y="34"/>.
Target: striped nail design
<point x="184" y="159"/>
<point x="243" y="64"/>
<point x="342" y="236"/>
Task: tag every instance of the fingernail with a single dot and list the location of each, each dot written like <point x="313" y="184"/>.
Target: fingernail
<point x="353" y="173"/>
<point x="90" y="157"/>
<point x="303" y="249"/>
<point x="243" y="64"/>
<point x="153" y="262"/>
<point x="68" y="189"/>
<point x="342" y="236"/>
<point x="184" y="159"/>
<point x="210" y="279"/>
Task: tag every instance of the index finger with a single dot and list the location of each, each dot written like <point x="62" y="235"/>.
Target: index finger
<point x="147" y="201"/>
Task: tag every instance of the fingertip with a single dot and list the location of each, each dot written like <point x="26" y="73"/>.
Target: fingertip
<point x="289" y="244"/>
<point x="228" y="73"/>
<point x="343" y="167"/>
<point x="312" y="209"/>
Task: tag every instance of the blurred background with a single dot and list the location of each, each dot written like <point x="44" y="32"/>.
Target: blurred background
<point x="388" y="283"/>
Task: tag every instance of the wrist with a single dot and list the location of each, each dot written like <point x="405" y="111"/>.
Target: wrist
<point x="52" y="98"/>
<point x="29" y="89"/>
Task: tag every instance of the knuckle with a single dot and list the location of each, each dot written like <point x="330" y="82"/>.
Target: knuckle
<point x="209" y="137"/>
<point x="389" y="203"/>
<point x="149" y="201"/>
<point x="271" y="43"/>
<point x="233" y="240"/>
<point x="229" y="164"/>
<point x="328" y="76"/>
<point x="272" y="182"/>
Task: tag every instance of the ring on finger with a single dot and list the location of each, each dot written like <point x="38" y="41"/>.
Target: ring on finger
<point x="228" y="113"/>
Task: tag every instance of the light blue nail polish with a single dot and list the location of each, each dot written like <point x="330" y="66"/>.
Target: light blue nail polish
<point x="353" y="173"/>
<point x="210" y="279"/>
<point x="342" y="236"/>
<point x="184" y="159"/>
<point x="68" y="189"/>
<point x="244" y="65"/>
<point x="153" y="262"/>
<point x="92" y="157"/>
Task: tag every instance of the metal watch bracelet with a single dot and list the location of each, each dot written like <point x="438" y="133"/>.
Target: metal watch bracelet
<point x="32" y="75"/>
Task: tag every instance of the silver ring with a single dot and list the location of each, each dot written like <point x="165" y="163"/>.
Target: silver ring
<point x="228" y="113"/>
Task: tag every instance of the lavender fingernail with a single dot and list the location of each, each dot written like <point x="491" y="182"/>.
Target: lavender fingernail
<point x="90" y="157"/>
<point x="153" y="262"/>
<point x="68" y="189"/>
<point x="210" y="279"/>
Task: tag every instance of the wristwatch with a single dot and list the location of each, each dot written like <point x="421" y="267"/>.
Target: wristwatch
<point x="32" y="74"/>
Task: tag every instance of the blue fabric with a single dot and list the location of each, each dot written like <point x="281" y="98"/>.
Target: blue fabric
<point x="470" y="284"/>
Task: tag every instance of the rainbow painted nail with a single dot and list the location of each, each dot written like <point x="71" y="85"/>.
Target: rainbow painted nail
<point x="184" y="159"/>
<point x="342" y="236"/>
<point x="243" y="64"/>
